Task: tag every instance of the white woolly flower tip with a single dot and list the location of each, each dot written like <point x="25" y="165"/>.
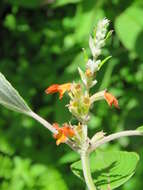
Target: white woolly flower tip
<point x="98" y="62"/>
<point x="101" y="29"/>
<point x="94" y="83"/>
<point x="90" y="63"/>
<point x="103" y="23"/>
<point x="106" y="21"/>
<point x="98" y="41"/>
<point x="92" y="45"/>
<point x="93" y="65"/>
<point x="95" y="49"/>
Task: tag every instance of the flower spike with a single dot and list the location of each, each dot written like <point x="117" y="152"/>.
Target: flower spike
<point x="111" y="99"/>
<point x="58" y="88"/>
<point x="63" y="133"/>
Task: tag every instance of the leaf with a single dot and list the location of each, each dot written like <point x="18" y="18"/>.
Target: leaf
<point x="10" y="22"/>
<point x="129" y="27"/>
<point x="65" y="2"/>
<point x="10" y="98"/>
<point x="109" y="34"/>
<point x="78" y="61"/>
<point x="27" y="3"/>
<point x="104" y="61"/>
<point x="48" y="177"/>
<point x="69" y="157"/>
<point x="109" y="167"/>
<point x="6" y="166"/>
<point x="85" y="55"/>
<point x="140" y="129"/>
<point x="86" y="16"/>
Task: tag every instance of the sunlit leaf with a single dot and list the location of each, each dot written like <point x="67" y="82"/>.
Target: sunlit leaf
<point x="109" y="34"/>
<point x="65" y="2"/>
<point x="129" y="27"/>
<point x="85" y="55"/>
<point x="10" y="22"/>
<point x="104" y="61"/>
<point x="69" y="158"/>
<point x="140" y="129"/>
<point x="48" y="177"/>
<point x="6" y="167"/>
<point x="109" y="167"/>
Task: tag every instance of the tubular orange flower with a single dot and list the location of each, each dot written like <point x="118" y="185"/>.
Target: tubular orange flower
<point x="68" y="131"/>
<point x="63" y="133"/>
<point x="111" y="99"/>
<point x="58" y="88"/>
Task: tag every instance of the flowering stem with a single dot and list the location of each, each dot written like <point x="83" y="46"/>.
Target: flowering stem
<point x="86" y="170"/>
<point x="51" y="128"/>
<point x="85" y="160"/>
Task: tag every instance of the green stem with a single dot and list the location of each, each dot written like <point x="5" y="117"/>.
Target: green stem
<point x="86" y="171"/>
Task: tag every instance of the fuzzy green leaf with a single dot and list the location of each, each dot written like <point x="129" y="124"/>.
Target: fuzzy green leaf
<point x="109" y="168"/>
<point x="10" y="98"/>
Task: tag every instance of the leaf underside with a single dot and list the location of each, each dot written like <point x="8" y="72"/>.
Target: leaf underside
<point x="10" y="98"/>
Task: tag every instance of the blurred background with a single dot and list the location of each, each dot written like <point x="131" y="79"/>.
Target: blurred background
<point x="41" y="43"/>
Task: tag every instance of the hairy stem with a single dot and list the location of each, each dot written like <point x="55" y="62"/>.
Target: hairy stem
<point x="43" y="122"/>
<point x="113" y="137"/>
<point x="97" y="96"/>
<point x="86" y="171"/>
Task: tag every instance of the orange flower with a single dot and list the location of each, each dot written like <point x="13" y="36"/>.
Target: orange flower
<point x="58" y="88"/>
<point x="63" y="133"/>
<point x="111" y="99"/>
<point x="88" y="73"/>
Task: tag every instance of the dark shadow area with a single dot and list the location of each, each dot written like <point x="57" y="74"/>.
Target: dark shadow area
<point x="139" y="45"/>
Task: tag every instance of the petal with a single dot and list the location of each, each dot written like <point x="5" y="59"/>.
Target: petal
<point x="58" y="88"/>
<point x="62" y="139"/>
<point x="68" y="131"/>
<point x="61" y="93"/>
<point x="52" y="89"/>
<point x="63" y="133"/>
<point x="111" y="99"/>
<point x="56" y="126"/>
<point x="63" y="88"/>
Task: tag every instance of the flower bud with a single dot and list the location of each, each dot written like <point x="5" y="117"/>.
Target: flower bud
<point x="98" y="136"/>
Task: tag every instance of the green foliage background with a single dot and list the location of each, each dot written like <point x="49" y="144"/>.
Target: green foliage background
<point x="41" y="44"/>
